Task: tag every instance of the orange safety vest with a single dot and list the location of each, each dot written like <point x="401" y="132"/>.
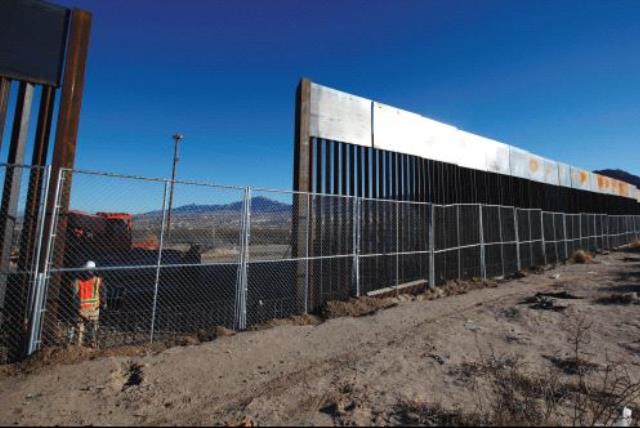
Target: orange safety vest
<point x="89" y="292"/>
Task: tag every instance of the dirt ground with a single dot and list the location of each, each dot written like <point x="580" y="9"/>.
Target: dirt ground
<point x="407" y="352"/>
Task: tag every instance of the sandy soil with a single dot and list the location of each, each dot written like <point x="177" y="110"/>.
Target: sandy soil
<point x="346" y="370"/>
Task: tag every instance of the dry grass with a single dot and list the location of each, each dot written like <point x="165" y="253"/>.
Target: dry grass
<point x="635" y="245"/>
<point x="581" y="257"/>
<point x="355" y="307"/>
<point x="574" y="391"/>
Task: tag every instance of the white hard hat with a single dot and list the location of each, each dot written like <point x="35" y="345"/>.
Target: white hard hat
<point x="90" y="265"/>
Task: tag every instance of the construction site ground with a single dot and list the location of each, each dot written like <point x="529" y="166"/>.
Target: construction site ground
<point x="343" y="367"/>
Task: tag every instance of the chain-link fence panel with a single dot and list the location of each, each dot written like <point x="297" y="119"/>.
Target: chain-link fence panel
<point x="104" y="237"/>
<point x="447" y="258"/>
<point x="332" y="246"/>
<point x="413" y="233"/>
<point x="493" y="241"/>
<point x="470" y="253"/>
<point x="379" y="256"/>
<point x="198" y="278"/>
<point x="25" y="192"/>
<point x="279" y="264"/>
<point x="509" y="239"/>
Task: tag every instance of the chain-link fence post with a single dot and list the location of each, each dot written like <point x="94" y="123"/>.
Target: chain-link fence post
<point x="555" y="239"/>
<point x="530" y="238"/>
<point x="37" y="288"/>
<point x="306" y="255"/>
<point x="49" y="253"/>
<point x="432" y="258"/>
<point x="163" y="226"/>
<point x="517" y="230"/>
<point x="544" y="245"/>
<point x="564" y="236"/>
<point x="483" y="266"/>
<point x="240" y="321"/>
<point x="356" y="244"/>
<point x="580" y="230"/>
<point x="397" y="246"/>
<point x="501" y="239"/>
<point x="458" y="241"/>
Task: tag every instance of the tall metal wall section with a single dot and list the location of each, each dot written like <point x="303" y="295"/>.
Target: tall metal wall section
<point x="355" y="147"/>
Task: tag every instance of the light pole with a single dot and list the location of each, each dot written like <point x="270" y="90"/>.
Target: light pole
<point x="177" y="137"/>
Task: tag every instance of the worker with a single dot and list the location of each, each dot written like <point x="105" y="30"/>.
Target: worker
<point x="89" y="294"/>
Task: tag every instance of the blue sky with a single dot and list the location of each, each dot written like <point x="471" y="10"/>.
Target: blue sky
<point x="557" y="78"/>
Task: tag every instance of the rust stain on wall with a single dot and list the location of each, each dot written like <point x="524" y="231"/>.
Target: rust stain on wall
<point x="603" y="182"/>
<point x="584" y="177"/>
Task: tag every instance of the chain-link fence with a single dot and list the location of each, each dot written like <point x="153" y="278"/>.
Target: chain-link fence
<point x="178" y="258"/>
<point x="21" y="230"/>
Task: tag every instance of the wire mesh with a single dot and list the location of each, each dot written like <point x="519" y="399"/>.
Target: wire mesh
<point x="21" y="231"/>
<point x="177" y="258"/>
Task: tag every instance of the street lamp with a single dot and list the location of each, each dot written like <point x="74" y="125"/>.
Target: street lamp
<point x="177" y="138"/>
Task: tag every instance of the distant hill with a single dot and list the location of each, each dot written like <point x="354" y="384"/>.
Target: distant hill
<point x="259" y="205"/>
<point x="619" y="174"/>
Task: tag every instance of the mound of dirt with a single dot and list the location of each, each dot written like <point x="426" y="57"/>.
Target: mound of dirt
<point x="581" y="256"/>
<point x="75" y="354"/>
<point x="355" y="307"/>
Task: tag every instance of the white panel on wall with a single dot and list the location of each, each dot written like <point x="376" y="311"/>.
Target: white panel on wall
<point x="498" y="157"/>
<point x="564" y="174"/>
<point x="472" y="151"/>
<point x="519" y="162"/>
<point x="550" y="171"/>
<point x="403" y="132"/>
<point x="339" y="116"/>
<point x="580" y="179"/>
<point x="535" y="164"/>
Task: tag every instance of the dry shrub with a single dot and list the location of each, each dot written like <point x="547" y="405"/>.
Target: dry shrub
<point x="581" y="257"/>
<point x="635" y="245"/>
<point x="297" y="320"/>
<point x="507" y="393"/>
<point x="418" y="413"/>
<point x="619" y="299"/>
<point x="355" y="307"/>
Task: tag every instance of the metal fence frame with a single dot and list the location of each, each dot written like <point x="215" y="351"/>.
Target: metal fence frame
<point x="552" y="241"/>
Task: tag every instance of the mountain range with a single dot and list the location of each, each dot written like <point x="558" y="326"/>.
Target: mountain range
<point x="259" y="205"/>
<point x="619" y="174"/>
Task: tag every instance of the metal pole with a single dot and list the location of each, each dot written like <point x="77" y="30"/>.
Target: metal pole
<point x="580" y="229"/>
<point x="515" y="225"/>
<point x="177" y="137"/>
<point x="37" y="305"/>
<point x="564" y="227"/>
<point x="501" y="238"/>
<point x="458" y="236"/>
<point x="432" y="258"/>
<point x="356" y="244"/>
<point x="306" y="255"/>
<point x="241" y="280"/>
<point x="159" y="261"/>
<point x="544" y="246"/>
<point x="397" y="245"/>
<point x="49" y="250"/>
<point x="483" y="267"/>
<point x="555" y="238"/>
<point x="530" y="239"/>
